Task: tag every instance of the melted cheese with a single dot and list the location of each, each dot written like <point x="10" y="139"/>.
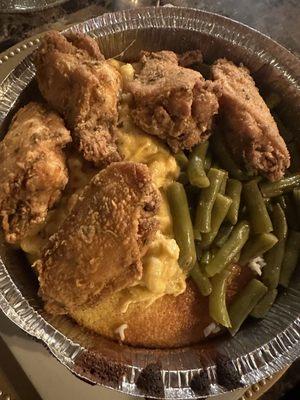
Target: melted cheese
<point x="161" y="272"/>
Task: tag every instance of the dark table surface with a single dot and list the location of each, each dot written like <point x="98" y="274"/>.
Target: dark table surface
<point x="279" y="19"/>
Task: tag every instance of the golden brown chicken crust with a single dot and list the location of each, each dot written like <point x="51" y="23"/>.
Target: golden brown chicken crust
<point x="172" y="102"/>
<point x="33" y="169"/>
<point x="251" y="132"/>
<point x="98" y="248"/>
<point x="84" y="42"/>
<point x="77" y="82"/>
<point x="190" y="58"/>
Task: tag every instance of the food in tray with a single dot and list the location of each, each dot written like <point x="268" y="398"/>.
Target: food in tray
<point x="33" y="170"/>
<point x="77" y="82"/>
<point x="156" y="205"/>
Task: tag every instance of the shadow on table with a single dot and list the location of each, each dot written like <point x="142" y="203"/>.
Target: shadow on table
<point x="13" y="380"/>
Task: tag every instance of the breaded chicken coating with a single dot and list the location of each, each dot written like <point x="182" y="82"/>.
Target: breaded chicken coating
<point x="76" y="81"/>
<point x="172" y="102"/>
<point x="98" y="249"/>
<point x="190" y="58"/>
<point x="250" y="130"/>
<point x="33" y="169"/>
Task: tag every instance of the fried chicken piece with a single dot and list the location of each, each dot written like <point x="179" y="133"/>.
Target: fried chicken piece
<point x="98" y="249"/>
<point x="75" y="79"/>
<point x="33" y="169"/>
<point x="190" y="58"/>
<point x="172" y="102"/>
<point x="250" y="130"/>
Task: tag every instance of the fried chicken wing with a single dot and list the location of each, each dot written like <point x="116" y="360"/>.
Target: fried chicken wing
<point x="250" y="130"/>
<point x="33" y="169"/>
<point x="76" y="81"/>
<point x="172" y="102"/>
<point x="98" y="248"/>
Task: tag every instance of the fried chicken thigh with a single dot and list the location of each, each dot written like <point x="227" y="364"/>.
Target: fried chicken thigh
<point x="172" y="102"/>
<point x="33" y="169"/>
<point x="98" y="248"/>
<point x="250" y="130"/>
<point x="76" y="81"/>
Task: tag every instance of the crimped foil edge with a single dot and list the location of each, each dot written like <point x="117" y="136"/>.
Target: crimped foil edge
<point x="258" y="364"/>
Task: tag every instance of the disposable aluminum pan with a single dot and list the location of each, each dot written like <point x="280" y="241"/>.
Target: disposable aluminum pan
<point x="261" y="348"/>
<point x="27" y="5"/>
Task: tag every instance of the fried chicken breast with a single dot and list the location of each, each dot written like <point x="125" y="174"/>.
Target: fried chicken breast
<point x="170" y="101"/>
<point x="97" y="250"/>
<point x="250" y="130"/>
<point x="76" y="81"/>
<point x="33" y="169"/>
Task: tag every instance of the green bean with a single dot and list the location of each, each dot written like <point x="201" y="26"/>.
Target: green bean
<point x="219" y="211"/>
<point x="233" y="190"/>
<point x="207" y="161"/>
<point x="224" y="183"/>
<point x="206" y="201"/>
<point x="272" y="100"/>
<point x="230" y="249"/>
<point x="257" y="211"/>
<point x="205" y="258"/>
<point x="198" y="250"/>
<point x="217" y="299"/>
<point x="183" y="178"/>
<point x="182" y="225"/>
<point x="279" y="223"/>
<point x="264" y="305"/>
<point x="202" y="281"/>
<point x="291" y="257"/>
<point x="244" y="303"/>
<point x="202" y="150"/>
<point x="281" y="201"/>
<point x="273" y="259"/>
<point x="236" y="258"/>
<point x="273" y="189"/>
<point x="219" y="147"/>
<point x="288" y="206"/>
<point x="223" y="235"/>
<point x="213" y="251"/>
<point x="181" y="160"/>
<point x="269" y="205"/>
<point x="195" y="172"/>
<point x="257" y="246"/>
<point x="195" y="168"/>
<point x="296" y="197"/>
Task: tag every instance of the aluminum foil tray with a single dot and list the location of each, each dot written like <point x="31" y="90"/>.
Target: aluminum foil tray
<point x="261" y="348"/>
<point x="27" y="5"/>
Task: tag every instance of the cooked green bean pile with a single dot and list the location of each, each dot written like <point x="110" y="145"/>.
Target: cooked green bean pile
<point x="238" y="219"/>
